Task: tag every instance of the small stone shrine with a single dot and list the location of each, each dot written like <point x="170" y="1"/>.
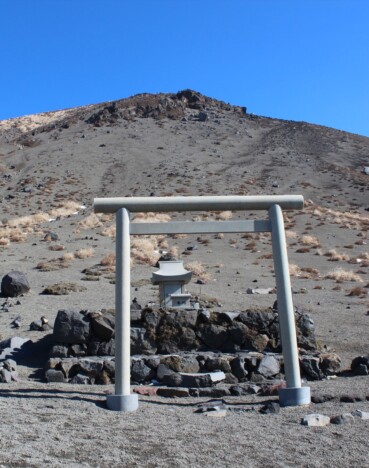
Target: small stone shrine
<point x="171" y="278"/>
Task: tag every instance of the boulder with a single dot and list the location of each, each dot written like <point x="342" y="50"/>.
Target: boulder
<point x="140" y="372"/>
<point x="162" y="371"/>
<point x="269" y="366"/>
<point x="71" y="327"/>
<point x="53" y="375"/>
<point x="173" y="380"/>
<point x="101" y="328"/>
<point x="201" y="380"/>
<point x="109" y="367"/>
<point x="141" y="342"/>
<point x="81" y="379"/>
<point x="345" y="418"/>
<point x="145" y="391"/>
<point x="330" y="363"/>
<point x="315" y="420"/>
<point x="272" y="407"/>
<point x="211" y="392"/>
<point x="59" y="351"/>
<point x="259" y="342"/>
<point x="190" y="364"/>
<point x="238" y="368"/>
<point x="213" y="336"/>
<point x="51" y="236"/>
<point x="257" y="320"/>
<point x="310" y="367"/>
<point x="77" y="350"/>
<point x="91" y="367"/>
<point x="361" y="414"/>
<point x="5" y="376"/>
<point x="218" y="364"/>
<point x="173" y="392"/>
<point x="360" y="365"/>
<point x="318" y="399"/>
<point x="14" y="284"/>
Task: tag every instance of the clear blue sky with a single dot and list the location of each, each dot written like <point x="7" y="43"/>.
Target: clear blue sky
<point x="291" y="59"/>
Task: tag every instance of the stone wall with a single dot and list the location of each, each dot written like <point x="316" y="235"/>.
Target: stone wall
<point x="245" y="346"/>
<point x="165" y="331"/>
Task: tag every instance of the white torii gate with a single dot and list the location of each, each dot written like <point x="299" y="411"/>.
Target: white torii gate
<point x="294" y="394"/>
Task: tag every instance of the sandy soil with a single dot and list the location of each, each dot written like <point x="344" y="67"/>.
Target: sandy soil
<point x="66" y="159"/>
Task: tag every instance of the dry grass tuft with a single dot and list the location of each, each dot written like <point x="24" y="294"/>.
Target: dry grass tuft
<point x="348" y="219"/>
<point x="109" y="231"/>
<point x="198" y="270"/>
<point x="179" y="236"/>
<point x="56" y="248"/>
<point x="151" y="218"/>
<point x="174" y="251"/>
<point x="66" y="208"/>
<point x="224" y="215"/>
<point x="358" y="292"/>
<point x="303" y="250"/>
<point x="91" y="221"/>
<point x="109" y="260"/>
<point x="334" y="256"/>
<point x="84" y="253"/>
<point x="294" y="270"/>
<point x="67" y="257"/>
<point x="144" y="250"/>
<point x="311" y="271"/>
<point x="304" y="273"/>
<point x="340" y="275"/>
<point x="291" y="234"/>
<point x="309" y="240"/>
<point x="17" y="229"/>
<point x="29" y="221"/>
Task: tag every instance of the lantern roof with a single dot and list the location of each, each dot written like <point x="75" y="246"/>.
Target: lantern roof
<point x="171" y="271"/>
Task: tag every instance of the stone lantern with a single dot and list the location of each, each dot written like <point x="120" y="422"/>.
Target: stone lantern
<point x="171" y="278"/>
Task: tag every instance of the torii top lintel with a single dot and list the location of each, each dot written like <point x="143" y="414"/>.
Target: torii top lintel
<point x="198" y="203"/>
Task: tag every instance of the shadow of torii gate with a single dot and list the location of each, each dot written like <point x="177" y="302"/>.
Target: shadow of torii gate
<point x="294" y="394"/>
